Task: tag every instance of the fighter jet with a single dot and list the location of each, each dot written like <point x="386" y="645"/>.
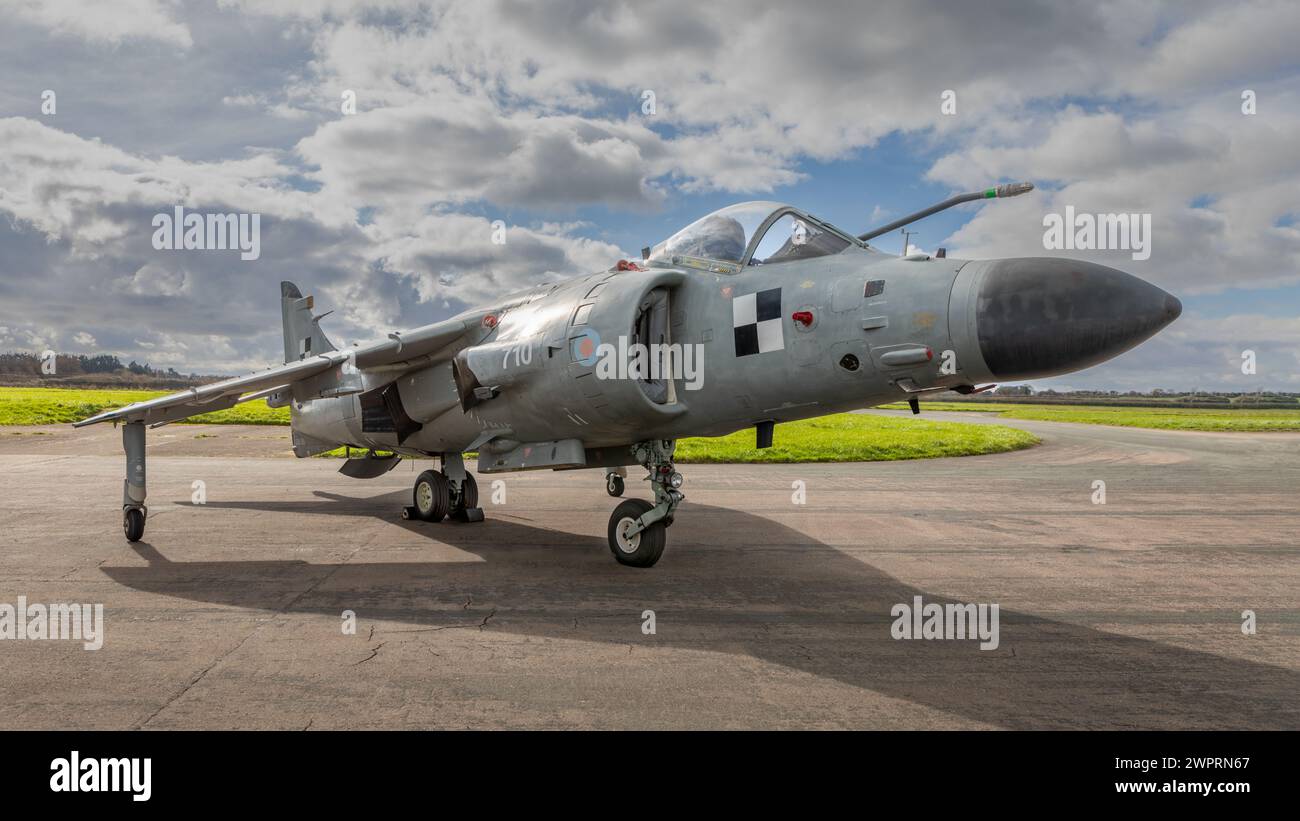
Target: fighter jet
<point x="757" y="314"/>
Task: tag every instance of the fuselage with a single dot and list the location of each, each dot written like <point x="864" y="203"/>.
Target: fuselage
<point x="549" y="392"/>
<point x="774" y="342"/>
<point x="754" y="315"/>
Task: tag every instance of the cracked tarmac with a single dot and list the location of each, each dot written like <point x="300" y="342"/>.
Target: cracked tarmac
<point x="767" y="613"/>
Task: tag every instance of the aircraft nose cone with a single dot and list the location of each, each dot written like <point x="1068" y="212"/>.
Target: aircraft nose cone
<point x="1042" y="316"/>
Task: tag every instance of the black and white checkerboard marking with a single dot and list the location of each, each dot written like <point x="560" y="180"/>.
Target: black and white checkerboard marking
<point x="756" y="319"/>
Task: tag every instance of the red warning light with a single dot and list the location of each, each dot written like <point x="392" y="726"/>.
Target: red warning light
<point x="804" y="318"/>
<point x="490" y="321"/>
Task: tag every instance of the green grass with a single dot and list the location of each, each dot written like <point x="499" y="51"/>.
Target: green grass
<point x="840" y="438"/>
<point x="843" y="437"/>
<point x="52" y="406"/>
<point x="1206" y="419"/>
<point x="342" y="452"/>
<point x="856" y="437"/>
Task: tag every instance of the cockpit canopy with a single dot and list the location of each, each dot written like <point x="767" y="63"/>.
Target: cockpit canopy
<point x="755" y="233"/>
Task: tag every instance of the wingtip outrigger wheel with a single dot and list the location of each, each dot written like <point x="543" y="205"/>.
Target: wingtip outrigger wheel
<point x="637" y="529"/>
<point x="133" y="487"/>
<point x="133" y="523"/>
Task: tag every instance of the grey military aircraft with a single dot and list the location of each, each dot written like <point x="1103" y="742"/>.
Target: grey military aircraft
<point x="757" y="314"/>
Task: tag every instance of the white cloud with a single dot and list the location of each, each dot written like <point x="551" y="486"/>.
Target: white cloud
<point x="107" y="23"/>
<point x="93" y="206"/>
<point x="153" y="279"/>
<point x="1205" y="353"/>
<point x="1234" y="45"/>
<point x="1216" y="183"/>
<point x="452" y="256"/>
<point x="744" y="91"/>
<point x="468" y="108"/>
<point x="456" y="150"/>
<point x="83" y="191"/>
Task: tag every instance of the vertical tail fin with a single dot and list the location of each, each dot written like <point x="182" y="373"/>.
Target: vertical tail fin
<point x="302" y="334"/>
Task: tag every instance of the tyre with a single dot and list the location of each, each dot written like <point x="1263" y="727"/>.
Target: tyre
<point x="643" y="549"/>
<point x="614" y="485"/>
<point x="133" y="523"/>
<point x="468" y="492"/>
<point x="431" y="497"/>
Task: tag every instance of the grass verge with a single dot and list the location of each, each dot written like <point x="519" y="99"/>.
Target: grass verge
<point x="845" y="437"/>
<point x="857" y="437"/>
<point x="53" y="406"/>
<point x="1205" y="419"/>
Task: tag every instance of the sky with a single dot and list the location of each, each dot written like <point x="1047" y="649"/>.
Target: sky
<point x="591" y="129"/>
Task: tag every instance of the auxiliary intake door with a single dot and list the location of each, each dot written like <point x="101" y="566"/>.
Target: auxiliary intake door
<point x="651" y="327"/>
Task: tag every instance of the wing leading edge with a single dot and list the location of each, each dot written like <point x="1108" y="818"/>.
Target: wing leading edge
<point x="218" y="395"/>
<point x="398" y="352"/>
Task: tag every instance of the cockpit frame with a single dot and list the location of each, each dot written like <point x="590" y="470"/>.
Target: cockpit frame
<point x="698" y="235"/>
<point x="760" y="233"/>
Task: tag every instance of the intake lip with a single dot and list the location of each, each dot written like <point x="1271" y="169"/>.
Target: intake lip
<point x="1043" y="316"/>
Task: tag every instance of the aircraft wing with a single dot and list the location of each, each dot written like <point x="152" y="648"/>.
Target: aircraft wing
<point x="399" y="351"/>
<point x="219" y="395"/>
<point x="411" y="346"/>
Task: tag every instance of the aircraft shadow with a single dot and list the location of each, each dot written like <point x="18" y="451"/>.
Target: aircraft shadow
<point x="753" y="587"/>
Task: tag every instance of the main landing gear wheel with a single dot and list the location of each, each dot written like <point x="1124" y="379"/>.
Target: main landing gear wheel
<point x="641" y="549"/>
<point x="133" y="523"/>
<point x="431" y="498"/>
<point x="464" y="500"/>
<point x="468" y="493"/>
<point x="614" y="485"/>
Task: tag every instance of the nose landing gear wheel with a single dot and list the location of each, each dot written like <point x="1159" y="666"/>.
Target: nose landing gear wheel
<point x="642" y="549"/>
<point x="431" y="498"/>
<point x="614" y="485"/>
<point x="133" y="523"/>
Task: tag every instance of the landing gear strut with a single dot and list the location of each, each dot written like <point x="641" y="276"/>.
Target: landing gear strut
<point x="638" y="529"/>
<point x="451" y="491"/>
<point x="133" y="489"/>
